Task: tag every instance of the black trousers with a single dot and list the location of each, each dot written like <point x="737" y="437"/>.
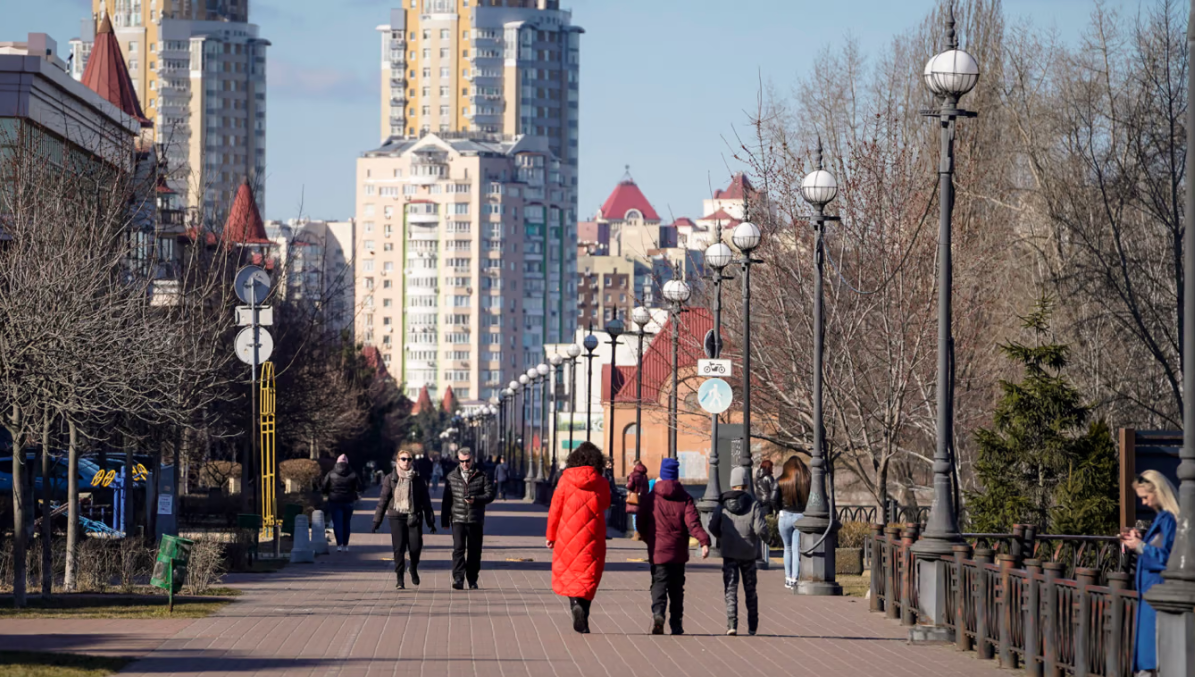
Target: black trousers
<point x="404" y="537"/>
<point x="466" y="552"/>
<point x="668" y="591"/>
<point x="732" y="570"/>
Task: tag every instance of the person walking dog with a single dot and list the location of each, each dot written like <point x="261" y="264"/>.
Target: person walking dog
<point x="407" y="504"/>
<point x="340" y="488"/>
<point x="467" y="491"/>
<point x="739" y="525"/>
<point x="577" y="531"/>
<point x="667" y="519"/>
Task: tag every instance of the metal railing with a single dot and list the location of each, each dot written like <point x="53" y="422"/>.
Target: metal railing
<point x="1024" y="613"/>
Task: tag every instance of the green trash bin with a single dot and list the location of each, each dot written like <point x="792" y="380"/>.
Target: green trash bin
<point x="170" y="569"/>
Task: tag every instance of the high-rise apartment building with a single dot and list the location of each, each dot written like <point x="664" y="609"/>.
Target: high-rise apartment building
<point x="462" y="247"/>
<point x="315" y="268"/>
<point x="199" y="70"/>
<point x="508" y="67"/>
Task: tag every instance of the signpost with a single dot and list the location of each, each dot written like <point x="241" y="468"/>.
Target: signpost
<point x="253" y="346"/>
<point x="713" y="368"/>
<point x="715" y="396"/>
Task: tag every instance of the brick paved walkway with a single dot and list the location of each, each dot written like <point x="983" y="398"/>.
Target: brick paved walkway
<point x="341" y="617"/>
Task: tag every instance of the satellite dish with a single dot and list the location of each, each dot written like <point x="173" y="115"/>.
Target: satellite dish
<point x="252" y="285"/>
<point x="245" y="344"/>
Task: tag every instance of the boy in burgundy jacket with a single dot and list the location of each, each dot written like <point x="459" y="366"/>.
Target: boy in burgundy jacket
<point x="667" y="519"/>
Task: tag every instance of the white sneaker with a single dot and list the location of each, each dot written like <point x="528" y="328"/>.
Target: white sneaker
<point x="346" y="548"/>
<point x="339" y="548"/>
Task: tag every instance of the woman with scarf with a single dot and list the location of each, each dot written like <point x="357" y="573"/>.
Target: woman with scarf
<point x="406" y="503"/>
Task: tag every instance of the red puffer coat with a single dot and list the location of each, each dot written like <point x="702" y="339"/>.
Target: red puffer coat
<point x="577" y="524"/>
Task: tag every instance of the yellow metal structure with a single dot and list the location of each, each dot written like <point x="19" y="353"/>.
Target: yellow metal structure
<point x="269" y="460"/>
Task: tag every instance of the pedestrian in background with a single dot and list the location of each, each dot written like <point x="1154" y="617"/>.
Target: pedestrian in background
<point x="340" y="487"/>
<point x="406" y="503"/>
<point x="637" y="487"/>
<point x="794" y="492"/>
<point x="577" y="531"/>
<point x="501" y="475"/>
<point x="739" y="525"/>
<point x="467" y="491"/>
<point x="766" y="489"/>
<point x="1153" y="551"/>
<point x="437" y="474"/>
<point x="667" y="519"/>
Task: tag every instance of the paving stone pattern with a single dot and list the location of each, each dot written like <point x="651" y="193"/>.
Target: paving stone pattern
<point x="342" y="617"/>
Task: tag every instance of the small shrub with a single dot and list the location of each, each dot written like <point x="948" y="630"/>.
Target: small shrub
<point x="853" y="534"/>
<point x="206" y="565"/>
<point x="217" y="474"/>
<point x="302" y="471"/>
<point x="98" y="563"/>
<point x="135" y="559"/>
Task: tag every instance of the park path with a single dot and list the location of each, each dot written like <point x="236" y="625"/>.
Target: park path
<point x="341" y="617"/>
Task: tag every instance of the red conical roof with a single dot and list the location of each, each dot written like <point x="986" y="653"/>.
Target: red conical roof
<point x="107" y="75"/>
<point x="424" y="403"/>
<point x="627" y="196"/>
<point x="448" y="405"/>
<point x="244" y="225"/>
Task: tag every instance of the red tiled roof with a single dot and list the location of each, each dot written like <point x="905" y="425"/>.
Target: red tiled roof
<point x="657" y="361"/>
<point x="719" y="215"/>
<point x="373" y="358"/>
<point x="244" y="225"/>
<point x="684" y="221"/>
<point x="448" y="405"/>
<point x="107" y="75"/>
<point x="627" y="196"/>
<point x="740" y="186"/>
<point x="161" y="187"/>
<point x="424" y="403"/>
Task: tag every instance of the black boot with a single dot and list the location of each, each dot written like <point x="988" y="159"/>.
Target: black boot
<point x="399" y="585"/>
<point x="414" y="575"/>
<point x="578" y="615"/>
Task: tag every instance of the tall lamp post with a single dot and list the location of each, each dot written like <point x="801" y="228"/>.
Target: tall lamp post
<point x="516" y="422"/>
<point x="818" y="527"/>
<point x="614" y="329"/>
<point x="530" y="479"/>
<point x="718" y="256"/>
<point x="574" y="355"/>
<point x="524" y="387"/>
<point x="508" y="397"/>
<point x="591" y="344"/>
<point x="641" y="317"/>
<point x="1174" y="597"/>
<point x="746" y="237"/>
<point x="556" y="361"/>
<point x="543" y="370"/>
<point x="676" y="292"/>
<point x="949" y="76"/>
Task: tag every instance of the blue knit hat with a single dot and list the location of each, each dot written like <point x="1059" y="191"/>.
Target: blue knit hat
<point x="669" y="469"/>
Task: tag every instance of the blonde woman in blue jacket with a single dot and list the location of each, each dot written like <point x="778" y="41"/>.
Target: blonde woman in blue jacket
<point x="1153" y="550"/>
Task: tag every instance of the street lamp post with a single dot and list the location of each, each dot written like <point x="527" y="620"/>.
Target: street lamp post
<point x="746" y="237"/>
<point x="530" y="479"/>
<point x="543" y="370"/>
<point x="614" y="329"/>
<point x="718" y="256"/>
<point x="525" y="389"/>
<point x="818" y="526"/>
<point x="1174" y="597"/>
<point x="556" y="361"/>
<point x="508" y="397"/>
<point x="574" y="354"/>
<point x="641" y="317"/>
<point x="591" y="344"/>
<point x="949" y="76"/>
<point x="676" y="292"/>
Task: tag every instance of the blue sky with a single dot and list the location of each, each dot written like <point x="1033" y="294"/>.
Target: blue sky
<point x="663" y="82"/>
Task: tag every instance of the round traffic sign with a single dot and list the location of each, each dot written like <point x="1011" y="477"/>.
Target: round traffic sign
<point x="252" y="285"/>
<point x="714" y="395"/>
<point x="245" y="345"/>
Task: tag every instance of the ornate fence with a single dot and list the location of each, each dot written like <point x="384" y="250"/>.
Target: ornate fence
<point x="1025" y="613"/>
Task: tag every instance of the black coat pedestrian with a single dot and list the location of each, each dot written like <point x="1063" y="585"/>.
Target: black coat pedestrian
<point x="455" y="509"/>
<point x="423" y="511"/>
<point x="341" y="484"/>
<point x="423" y="466"/>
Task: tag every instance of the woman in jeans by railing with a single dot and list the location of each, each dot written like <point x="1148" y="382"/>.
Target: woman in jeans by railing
<point x="794" y="492"/>
<point x="1153" y="550"/>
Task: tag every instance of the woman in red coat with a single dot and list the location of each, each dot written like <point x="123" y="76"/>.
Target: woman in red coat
<point x="577" y="531"/>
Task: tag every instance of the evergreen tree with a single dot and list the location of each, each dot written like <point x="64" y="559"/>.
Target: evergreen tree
<point x="1041" y="463"/>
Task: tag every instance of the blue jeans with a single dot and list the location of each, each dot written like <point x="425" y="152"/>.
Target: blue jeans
<point x="341" y="514"/>
<point x="787" y="523"/>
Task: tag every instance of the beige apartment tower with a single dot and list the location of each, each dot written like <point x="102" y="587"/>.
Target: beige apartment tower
<point x="199" y="70"/>
<point x="461" y="247"/>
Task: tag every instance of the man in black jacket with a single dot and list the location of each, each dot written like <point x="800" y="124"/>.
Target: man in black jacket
<point x="467" y="491"/>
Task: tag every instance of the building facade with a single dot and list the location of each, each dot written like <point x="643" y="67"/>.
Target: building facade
<point x="199" y="69"/>
<point x="509" y="67"/>
<point x="462" y="249"/>
<point x="315" y="268"/>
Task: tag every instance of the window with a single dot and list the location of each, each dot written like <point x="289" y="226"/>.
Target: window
<point x="368" y="245"/>
<point x="369" y="283"/>
<point x="367" y="266"/>
<point x="427" y="53"/>
<point x="460" y="208"/>
<point x="389" y="247"/>
<point x="386" y="303"/>
<point x="444" y="53"/>
<point x="368" y="211"/>
<point x="444" y="34"/>
<point x="457" y="337"/>
<point x="445" y="73"/>
<point x="387" y="284"/>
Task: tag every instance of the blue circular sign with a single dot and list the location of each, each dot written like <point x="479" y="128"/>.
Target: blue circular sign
<point x="714" y="396"/>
